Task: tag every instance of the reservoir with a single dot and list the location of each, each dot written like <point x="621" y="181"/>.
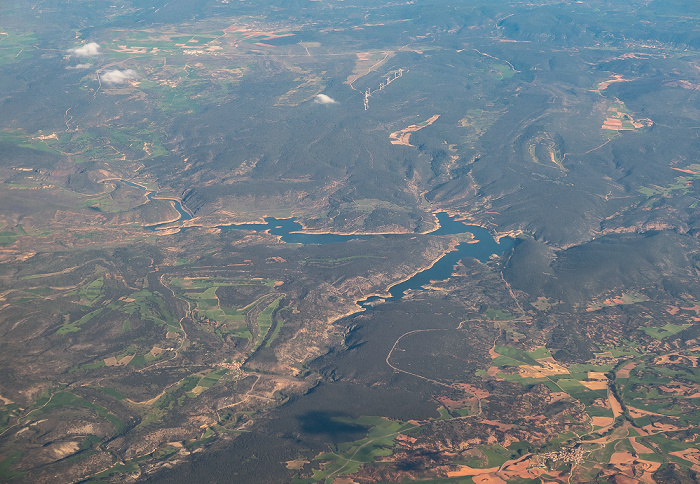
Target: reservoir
<point x="290" y="231"/>
<point x="482" y="248"/>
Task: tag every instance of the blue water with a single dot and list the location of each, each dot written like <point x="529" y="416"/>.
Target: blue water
<point x="291" y="232"/>
<point x="482" y="250"/>
<point x="184" y="215"/>
<point x="442" y="269"/>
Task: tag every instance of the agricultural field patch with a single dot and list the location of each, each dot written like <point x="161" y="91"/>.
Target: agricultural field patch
<point x="366" y="62"/>
<point x="502" y="71"/>
<point x="619" y="118"/>
<point x="150" y="306"/>
<point x="265" y="322"/>
<point x="92" y="292"/>
<point x="683" y="187"/>
<point x="151" y="43"/>
<point x="8" y="237"/>
<point x="62" y="399"/>
<point x="660" y="396"/>
<point x="477" y="121"/>
<point x="402" y="137"/>
<point x="347" y="458"/>
<point x="514" y="354"/>
<point x="580" y="392"/>
<point x="6" y="473"/>
<point x="202" y="292"/>
<point x="111" y="144"/>
<point x="605" y="84"/>
<point x="665" y="331"/>
<point x="39" y="141"/>
<point x="543" y="304"/>
<point x="15" y="46"/>
<point x="336" y="261"/>
<point x="69" y="326"/>
<point x="207" y="381"/>
<point x="498" y="315"/>
<point x="626" y="298"/>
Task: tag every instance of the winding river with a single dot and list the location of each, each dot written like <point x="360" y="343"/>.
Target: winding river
<point x="184" y="214"/>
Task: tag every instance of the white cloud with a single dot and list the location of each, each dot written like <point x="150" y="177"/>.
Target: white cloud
<point x="118" y="77"/>
<point x="80" y="66"/>
<point x="88" y="50"/>
<point x="323" y="99"/>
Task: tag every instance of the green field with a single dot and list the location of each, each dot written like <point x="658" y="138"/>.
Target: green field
<point x="231" y="321"/>
<point x="665" y="331"/>
<point x="496" y="455"/>
<point x="642" y="390"/>
<point x="112" y="393"/>
<point x="93" y="291"/>
<point x="150" y="306"/>
<point x="111" y="144"/>
<point x="190" y="87"/>
<point x="584" y="369"/>
<point x="594" y="411"/>
<point x="579" y="392"/>
<point x="68" y="399"/>
<point x="627" y="298"/>
<point x="278" y="326"/>
<point x="478" y="121"/>
<point x="7" y="474"/>
<point x="348" y="457"/>
<point x="667" y="445"/>
<point x="175" y="396"/>
<point x="509" y="355"/>
<point x="9" y="236"/>
<point x="683" y="185"/>
<point x="15" y="46"/>
<point x="541" y="352"/>
<point x="73" y="327"/>
<point x="531" y="381"/>
<point x="147" y="305"/>
<point x="212" y="378"/>
<point x="207" y="436"/>
<point x="502" y="71"/>
<point x="265" y="321"/>
<point x="128" y="468"/>
<point x="498" y="315"/>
